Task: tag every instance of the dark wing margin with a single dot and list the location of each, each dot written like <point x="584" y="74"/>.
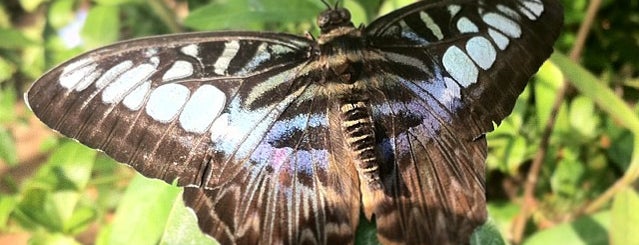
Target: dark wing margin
<point x="453" y="69"/>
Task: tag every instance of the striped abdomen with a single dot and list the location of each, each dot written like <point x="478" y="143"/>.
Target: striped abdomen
<point x="360" y="137"/>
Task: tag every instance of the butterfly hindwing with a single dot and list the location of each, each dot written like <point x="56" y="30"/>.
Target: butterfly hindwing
<point x="289" y="186"/>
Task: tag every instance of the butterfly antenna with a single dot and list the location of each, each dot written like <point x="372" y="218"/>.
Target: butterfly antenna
<point x="327" y="4"/>
<point x="336" y="4"/>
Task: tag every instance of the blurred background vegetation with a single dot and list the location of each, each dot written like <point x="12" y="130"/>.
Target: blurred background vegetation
<point x="561" y="169"/>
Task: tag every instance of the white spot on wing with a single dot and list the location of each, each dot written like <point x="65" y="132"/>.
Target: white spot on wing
<point x="481" y="51"/>
<point x="166" y="101"/>
<point x="220" y="127"/>
<point x="261" y="55"/>
<point x="280" y="49"/>
<point x="508" y="11"/>
<point x="222" y="63"/>
<point x="113" y="73"/>
<point x="202" y="109"/>
<point x="454" y="9"/>
<point x="71" y="77"/>
<point x="191" y="50"/>
<point x="505" y="25"/>
<point x="179" y="69"/>
<point x="460" y="66"/>
<point x="536" y="6"/>
<point x="501" y="40"/>
<point x="406" y="60"/>
<point x="135" y="99"/>
<point x="114" y="92"/>
<point x="408" y="32"/>
<point x="432" y="26"/>
<point x="464" y="25"/>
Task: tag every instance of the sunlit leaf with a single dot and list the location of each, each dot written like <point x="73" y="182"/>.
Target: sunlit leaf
<point x="625" y="218"/>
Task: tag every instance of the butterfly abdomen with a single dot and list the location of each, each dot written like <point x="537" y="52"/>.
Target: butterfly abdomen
<point x="357" y="125"/>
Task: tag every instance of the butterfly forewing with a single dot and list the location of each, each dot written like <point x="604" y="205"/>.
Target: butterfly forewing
<point x="154" y="103"/>
<point x="280" y="139"/>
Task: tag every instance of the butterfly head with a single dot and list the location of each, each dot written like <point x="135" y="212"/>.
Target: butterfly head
<point x="333" y="18"/>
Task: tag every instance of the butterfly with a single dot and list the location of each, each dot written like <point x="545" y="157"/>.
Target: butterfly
<point x="285" y="139"/>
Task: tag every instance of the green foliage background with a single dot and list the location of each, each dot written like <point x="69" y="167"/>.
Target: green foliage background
<point x="56" y="191"/>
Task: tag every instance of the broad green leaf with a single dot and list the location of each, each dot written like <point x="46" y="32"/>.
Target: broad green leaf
<point x="182" y="227"/>
<point x="583" y="118"/>
<point x="32" y="63"/>
<point x="37" y="210"/>
<point x="366" y="233"/>
<point x="61" y="13"/>
<point x="503" y="214"/>
<point x="568" y="174"/>
<point x="143" y="213"/>
<point x="30" y="5"/>
<point x="487" y="234"/>
<point x="358" y="13"/>
<point x="605" y="98"/>
<point x="5" y="20"/>
<point x="391" y="5"/>
<point x="508" y="152"/>
<point x="7" y="69"/>
<point x="587" y="230"/>
<point x="52" y="197"/>
<point x="548" y="81"/>
<point x="43" y="238"/>
<point x="625" y="218"/>
<point x="8" y="204"/>
<point x="13" y="39"/>
<point x="8" y="152"/>
<point x="251" y="15"/>
<point x="117" y="2"/>
<point x="102" y="26"/>
<point x="68" y="168"/>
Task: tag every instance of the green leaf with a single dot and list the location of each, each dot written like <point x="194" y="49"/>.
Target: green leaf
<point x="358" y="13"/>
<point x="102" y="26"/>
<point x="583" y="117"/>
<point x="116" y="2"/>
<point x="68" y="168"/>
<point x="625" y="218"/>
<point x="605" y="98"/>
<point x="30" y="5"/>
<point x="182" y="227"/>
<point x="502" y="214"/>
<point x="13" y="39"/>
<point x="390" y="5"/>
<point x="143" y="213"/>
<point x="587" y="230"/>
<point x="61" y="13"/>
<point x="52" y="197"/>
<point x="245" y="14"/>
<point x="487" y="234"/>
<point x="366" y="233"/>
<point x="567" y="176"/>
<point x="7" y="69"/>
<point x="42" y="238"/>
<point x="8" y="204"/>
<point x="547" y="83"/>
<point x="8" y="152"/>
